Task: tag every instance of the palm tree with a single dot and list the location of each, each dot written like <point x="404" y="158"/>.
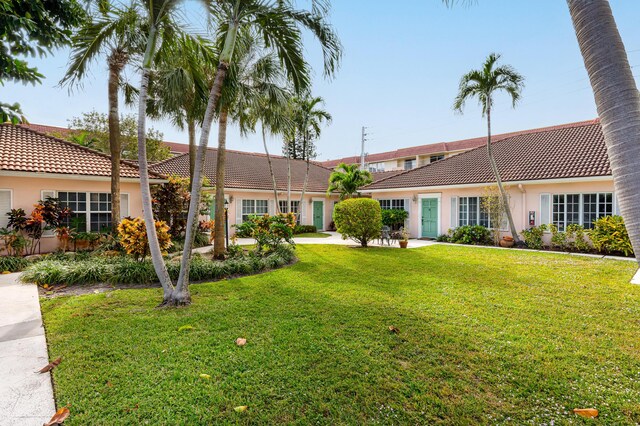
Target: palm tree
<point x="617" y="101"/>
<point x="179" y="86"/>
<point x="308" y="117"/>
<point x="280" y="25"/>
<point x="254" y="84"/>
<point x="114" y="33"/>
<point x="483" y="84"/>
<point x="347" y="179"/>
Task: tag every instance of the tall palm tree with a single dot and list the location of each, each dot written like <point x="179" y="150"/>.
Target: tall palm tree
<point x="347" y="179"/>
<point x="617" y="101"/>
<point x="280" y="25"/>
<point x="308" y="116"/>
<point x="255" y="80"/>
<point x="482" y="84"/>
<point x="179" y="86"/>
<point x="115" y="34"/>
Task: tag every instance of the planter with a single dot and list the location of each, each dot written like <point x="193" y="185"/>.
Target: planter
<point x="507" y="242"/>
<point x="404" y="244"/>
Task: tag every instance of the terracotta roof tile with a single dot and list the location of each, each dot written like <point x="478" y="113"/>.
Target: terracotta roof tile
<point x="567" y="151"/>
<point x="246" y="170"/>
<point x="26" y="150"/>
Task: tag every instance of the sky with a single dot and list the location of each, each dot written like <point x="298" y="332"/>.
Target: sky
<point x="399" y="75"/>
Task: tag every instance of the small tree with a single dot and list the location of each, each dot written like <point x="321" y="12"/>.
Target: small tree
<point x="133" y="237"/>
<point x="492" y="204"/>
<point x="347" y="179"/>
<point x="359" y="219"/>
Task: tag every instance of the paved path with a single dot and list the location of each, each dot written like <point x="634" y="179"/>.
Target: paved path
<point x="26" y="398"/>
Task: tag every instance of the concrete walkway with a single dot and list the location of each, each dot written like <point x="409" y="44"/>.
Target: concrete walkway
<point x="26" y="398"/>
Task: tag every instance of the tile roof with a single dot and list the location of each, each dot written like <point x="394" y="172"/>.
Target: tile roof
<point x="26" y="150"/>
<point x="567" y="151"/>
<point x="433" y="148"/>
<point x="177" y="148"/>
<point x="247" y="170"/>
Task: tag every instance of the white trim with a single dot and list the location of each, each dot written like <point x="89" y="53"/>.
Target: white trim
<point x="324" y="212"/>
<point x="270" y="191"/>
<point x="481" y="185"/>
<point x="128" y="205"/>
<point x="74" y="177"/>
<point x="438" y="196"/>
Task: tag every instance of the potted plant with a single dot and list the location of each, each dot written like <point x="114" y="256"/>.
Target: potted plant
<point x="507" y="241"/>
<point x="404" y="238"/>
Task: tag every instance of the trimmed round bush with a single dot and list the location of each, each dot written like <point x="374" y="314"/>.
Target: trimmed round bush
<point x="359" y="219"/>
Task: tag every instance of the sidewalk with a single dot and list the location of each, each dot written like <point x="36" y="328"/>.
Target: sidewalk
<point x="26" y="398"/>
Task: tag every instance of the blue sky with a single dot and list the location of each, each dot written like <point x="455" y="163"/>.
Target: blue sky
<point x="402" y="63"/>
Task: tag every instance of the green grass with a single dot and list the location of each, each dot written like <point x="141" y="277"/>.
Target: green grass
<point x="486" y="336"/>
<point x="312" y="235"/>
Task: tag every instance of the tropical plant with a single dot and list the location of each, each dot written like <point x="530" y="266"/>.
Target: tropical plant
<point x="13" y="241"/>
<point x="483" y="84"/>
<point x="280" y="25"/>
<point x="394" y="218"/>
<point x="133" y="236"/>
<point x="493" y="204"/>
<point x="347" y="179"/>
<point x="32" y="28"/>
<point x="577" y="238"/>
<point x="112" y="32"/>
<point x="272" y="231"/>
<point x="533" y="236"/>
<point x="609" y="235"/>
<point x="471" y="234"/>
<point x="359" y="219"/>
<point x="617" y="100"/>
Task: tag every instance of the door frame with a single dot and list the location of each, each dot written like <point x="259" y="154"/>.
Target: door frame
<point x="437" y="196"/>
<point x="324" y="213"/>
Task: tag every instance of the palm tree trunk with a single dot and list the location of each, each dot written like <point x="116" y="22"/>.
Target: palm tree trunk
<point x="181" y="293"/>
<point x="289" y="186"/>
<point x="154" y="246"/>
<point x="191" y="129"/>
<point x="306" y="174"/>
<point x="221" y="160"/>
<point x="114" y="143"/>
<point x="617" y="101"/>
<point x="496" y="172"/>
<point x="273" y="176"/>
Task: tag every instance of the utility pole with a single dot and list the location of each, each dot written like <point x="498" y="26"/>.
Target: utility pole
<point x="364" y="139"/>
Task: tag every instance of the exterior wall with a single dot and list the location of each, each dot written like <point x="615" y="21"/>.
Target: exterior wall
<point x="26" y="191"/>
<point x="524" y="198"/>
<point x="235" y="198"/>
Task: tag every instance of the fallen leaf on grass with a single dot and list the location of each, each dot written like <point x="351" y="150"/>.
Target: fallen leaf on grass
<point x="394" y="329"/>
<point x="6" y="272"/>
<point x="241" y="341"/>
<point x="51" y="365"/>
<point x="205" y="376"/>
<point x="130" y="409"/>
<point x="109" y="384"/>
<point x="240" y="408"/>
<point x="59" y="417"/>
<point x="586" y="412"/>
<point x="185" y="328"/>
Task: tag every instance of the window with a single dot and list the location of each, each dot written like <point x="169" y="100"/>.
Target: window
<point x="376" y="167"/>
<point x="295" y="208"/>
<point x="5" y="206"/>
<point x="96" y="211"/>
<point x="580" y="209"/>
<point x="409" y="164"/>
<point x="471" y="212"/>
<point x="435" y="158"/>
<point x="254" y="207"/>
<point x="392" y="204"/>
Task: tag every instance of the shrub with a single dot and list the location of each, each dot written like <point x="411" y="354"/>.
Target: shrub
<point x="533" y="237"/>
<point x="558" y="238"/>
<point x="472" y="234"/>
<point x="13" y="263"/>
<point x="359" y="219"/>
<point x="394" y="217"/>
<point x="268" y="231"/>
<point x="305" y="229"/>
<point x="245" y="229"/>
<point x="444" y="238"/>
<point x="610" y="236"/>
<point x="576" y="235"/>
<point x="133" y="236"/>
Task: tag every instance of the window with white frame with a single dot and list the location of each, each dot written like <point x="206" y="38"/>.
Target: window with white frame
<point x="409" y="164"/>
<point x="580" y="209"/>
<point x="472" y="212"/>
<point x="393" y="204"/>
<point x="92" y="208"/>
<point x="254" y="207"/>
<point x="295" y="208"/>
<point x="376" y="167"/>
<point x="435" y="158"/>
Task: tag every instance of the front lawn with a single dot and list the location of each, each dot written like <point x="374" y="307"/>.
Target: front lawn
<point x="312" y="235"/>
<point x="485" y="336"/>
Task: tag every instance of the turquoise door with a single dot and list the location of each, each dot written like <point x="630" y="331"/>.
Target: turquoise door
<point x="318" y="215"/>
<point x="429" y="217"/>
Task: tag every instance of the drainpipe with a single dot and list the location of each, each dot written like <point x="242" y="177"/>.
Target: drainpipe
<point x="524" y="205"/>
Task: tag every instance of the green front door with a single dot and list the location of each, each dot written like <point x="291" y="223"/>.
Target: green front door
<point x="429" y="217"/>
<point x="318" y="215"/>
